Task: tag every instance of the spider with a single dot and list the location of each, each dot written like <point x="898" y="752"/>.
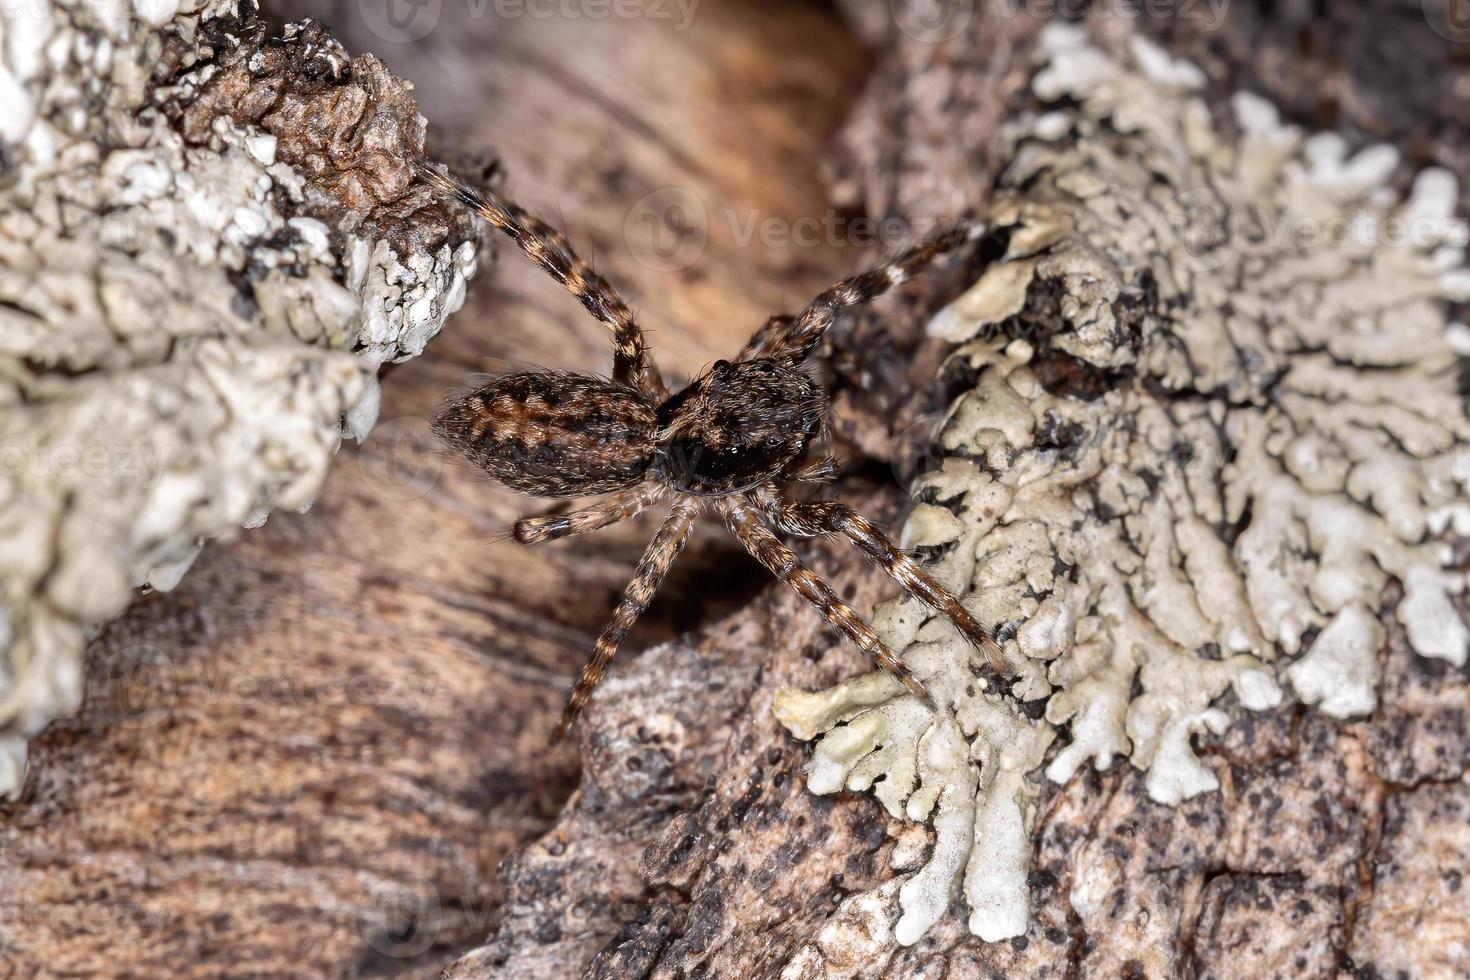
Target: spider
<point x="730" y="439"/>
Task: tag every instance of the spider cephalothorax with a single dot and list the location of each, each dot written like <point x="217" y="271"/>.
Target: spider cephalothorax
<point x="730" y="439"/>
<point x="737" y="426"/>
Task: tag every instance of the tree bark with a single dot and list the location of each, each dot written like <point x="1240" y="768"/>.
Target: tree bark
<point x="312" y="757"/>
<point x="1305" y="862"/>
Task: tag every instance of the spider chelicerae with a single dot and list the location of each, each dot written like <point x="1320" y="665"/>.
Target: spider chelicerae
<point x="731" y="439"/>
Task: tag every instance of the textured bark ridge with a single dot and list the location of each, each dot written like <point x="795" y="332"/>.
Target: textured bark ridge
<point x="205" y="265"/>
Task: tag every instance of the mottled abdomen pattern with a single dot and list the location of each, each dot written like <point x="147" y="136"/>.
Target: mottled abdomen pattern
<point x="553" y="434"/>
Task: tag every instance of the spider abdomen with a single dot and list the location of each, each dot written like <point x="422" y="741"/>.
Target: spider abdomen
<point x="553" y="434"/>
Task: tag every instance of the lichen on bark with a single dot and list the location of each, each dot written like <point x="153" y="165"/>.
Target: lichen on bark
<point x="210" y="244"/>
<point x="1213" y="413"/>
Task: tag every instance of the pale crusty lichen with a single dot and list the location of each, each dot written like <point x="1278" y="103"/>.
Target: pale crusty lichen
<point x="1215" y="411"/>
<point x="182" y="333"/>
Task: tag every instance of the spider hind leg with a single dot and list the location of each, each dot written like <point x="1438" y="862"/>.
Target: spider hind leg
<point x="561" y="522"/>
<point x="745" y="522"/>
<point x="812" y="518"/>
<point x="796" y="337"/>
<point x="657" y="559"/>
<point x="550" y="250"/>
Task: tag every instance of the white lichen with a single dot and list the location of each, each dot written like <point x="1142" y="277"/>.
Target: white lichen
<point x="1215" y="412"/>
<point x="148" y="403"/>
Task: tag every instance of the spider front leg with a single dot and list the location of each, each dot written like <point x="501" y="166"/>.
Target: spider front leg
<point x="795" y="338"/>
<point x="814" y="518"/>
<point x="745" y="522"/>
<point x="766" y="337"/>
<point x="822" y="470"/>
<point x="657" y="559"/>
<point x="561" y="523"/>
<point x="550" y="250"/>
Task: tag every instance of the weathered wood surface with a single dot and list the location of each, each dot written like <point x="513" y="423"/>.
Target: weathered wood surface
<point x="311" y="758"/>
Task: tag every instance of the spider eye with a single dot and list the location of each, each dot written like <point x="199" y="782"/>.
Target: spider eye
<point x="720" y="367"/>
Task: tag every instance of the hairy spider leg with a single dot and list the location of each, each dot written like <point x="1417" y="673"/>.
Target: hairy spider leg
<point x="657" y="559"/>
<point x="550" y="250"/>
<point x="822" y="470"/>
<point x="819" y="518"/>
<point x="745" y="522"/>
<point x="560" y="522"/>
<point x="799" y="336"/>
<point x="761" y="341"/>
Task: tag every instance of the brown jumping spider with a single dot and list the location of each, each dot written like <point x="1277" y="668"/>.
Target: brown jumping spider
<point x="732" y="438"/>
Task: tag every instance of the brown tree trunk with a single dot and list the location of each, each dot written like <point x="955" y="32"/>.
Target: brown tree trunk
<point x="314" y="755"/>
